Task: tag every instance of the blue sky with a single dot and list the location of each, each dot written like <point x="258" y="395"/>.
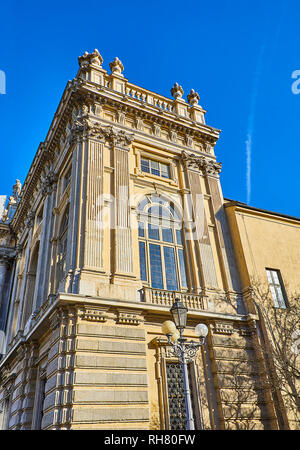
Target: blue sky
<point x="238" y="55"/>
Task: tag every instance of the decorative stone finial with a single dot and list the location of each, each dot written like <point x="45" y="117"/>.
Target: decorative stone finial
<point x="193" y="98"/>
<point x="17" y="189"/>
<point x="177" y="91"/>
<point x="116" y="66"/>
<point x="90" y="58"/>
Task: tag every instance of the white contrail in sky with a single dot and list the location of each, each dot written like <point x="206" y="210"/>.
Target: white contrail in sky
<point x="250" y="128"/>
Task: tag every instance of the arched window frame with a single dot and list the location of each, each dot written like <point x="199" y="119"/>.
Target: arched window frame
<point x="158" y="213"/>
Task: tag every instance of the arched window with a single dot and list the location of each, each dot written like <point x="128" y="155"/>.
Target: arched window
<point x="30" y="283"/>
<point x="62" y="246"/>
<point x="161" y="246"/>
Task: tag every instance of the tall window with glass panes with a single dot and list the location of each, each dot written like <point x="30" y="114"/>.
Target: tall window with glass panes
<point x="161" y="245"/>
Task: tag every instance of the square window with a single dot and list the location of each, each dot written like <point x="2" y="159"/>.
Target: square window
<point x="155" y="168"/>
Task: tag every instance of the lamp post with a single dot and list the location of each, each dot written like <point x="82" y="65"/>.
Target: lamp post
<point x="184" y="350"/>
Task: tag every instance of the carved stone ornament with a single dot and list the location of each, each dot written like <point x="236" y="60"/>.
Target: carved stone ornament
<point x="177" y="91"/>
<point x="4" y="215"/>
<point x="129" y="318"/>
<point x="116" y="66"/>
<point x="48" y="183"/>
<point x="223" y="328"/>
<point x="208" y="166"/>
<point x="29" y="221"/>
<point x="90" y="58"/>
<point x="6" y="255"/>
<point x="83" y="127"/>
<point x="193" y="98"/>
<point x="17" y="190"/>
<point x="93" y="314"/>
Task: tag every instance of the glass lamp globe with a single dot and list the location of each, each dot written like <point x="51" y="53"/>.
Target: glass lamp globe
<point x="175" y="336"/>
<point x="168" y="327"/>
<point x="201" y="330"/>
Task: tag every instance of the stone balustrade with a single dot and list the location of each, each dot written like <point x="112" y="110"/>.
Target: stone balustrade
<point x="166" y="298"/>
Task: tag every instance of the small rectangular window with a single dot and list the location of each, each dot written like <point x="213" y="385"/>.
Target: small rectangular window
<point x="276" y="288"/>
<point x="155" y="168"/>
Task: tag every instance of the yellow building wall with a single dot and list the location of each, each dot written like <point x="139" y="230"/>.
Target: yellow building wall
<point x="263" y="241"/>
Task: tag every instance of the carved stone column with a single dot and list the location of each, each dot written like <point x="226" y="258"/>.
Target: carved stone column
<point x="122" y="240"/>
<point x="200" y="235"/>
<point x="48" y="189"/>
<point x="29" y="224"/>
<point x="211" y="170"/>
<point x="85" y="235"/>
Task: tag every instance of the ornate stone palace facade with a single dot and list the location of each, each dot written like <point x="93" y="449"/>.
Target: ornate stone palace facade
<point x="121" y="212"/>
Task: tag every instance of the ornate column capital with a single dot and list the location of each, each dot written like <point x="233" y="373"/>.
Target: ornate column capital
<point x="119" y="138"/>
<point x="208" y="166"/>
<point x="29" y="221"/>
<point x="49" y="183"/>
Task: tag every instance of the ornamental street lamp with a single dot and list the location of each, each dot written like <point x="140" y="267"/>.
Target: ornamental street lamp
<point x="185" y="351"/>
